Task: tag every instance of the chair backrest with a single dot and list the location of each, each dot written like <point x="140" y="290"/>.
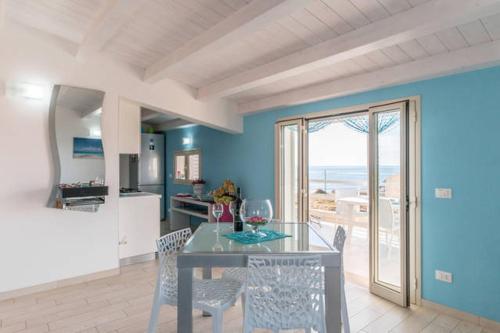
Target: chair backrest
<point x="284" y="292"/>
<point x="339" y="239"/>
<point x="346" y="192"/>
<point x="168" y="247"/>
<point x="385" y="213"/>
<point x="392" y="186"/>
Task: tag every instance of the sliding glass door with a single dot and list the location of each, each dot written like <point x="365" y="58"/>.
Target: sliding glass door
<point x="338" y="186"/>
<point x="389" y="201"/>
<point x="350" y="169"/>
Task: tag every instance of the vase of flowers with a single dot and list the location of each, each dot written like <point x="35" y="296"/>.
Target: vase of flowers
<point x="225" y="195"/>
<point x="198" y="187"/>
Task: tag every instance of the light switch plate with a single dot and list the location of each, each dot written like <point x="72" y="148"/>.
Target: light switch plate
<point x="443" y="193"/>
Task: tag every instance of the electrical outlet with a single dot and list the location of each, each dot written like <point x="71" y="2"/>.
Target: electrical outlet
<point x="443" y="193"/>
<point x="444" y="276"/>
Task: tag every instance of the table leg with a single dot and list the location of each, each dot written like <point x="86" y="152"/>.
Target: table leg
<point x="207" y="275"/>
<point x="332" y="299"/>
<point x="185" y="300"/>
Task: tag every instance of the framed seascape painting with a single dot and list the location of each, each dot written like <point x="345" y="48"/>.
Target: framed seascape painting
<point x="87" y="148"/>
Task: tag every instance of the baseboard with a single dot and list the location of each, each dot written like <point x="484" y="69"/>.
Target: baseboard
<point x="138" y="259"/>
<point x="58" y="284"/>
<point x="481" y="321"/>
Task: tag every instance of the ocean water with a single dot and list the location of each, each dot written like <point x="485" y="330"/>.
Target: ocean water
<point x="344" y="177"/>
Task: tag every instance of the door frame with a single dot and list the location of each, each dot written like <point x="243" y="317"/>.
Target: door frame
<point x="278" y="165"/>
<point x="414" y="178"/>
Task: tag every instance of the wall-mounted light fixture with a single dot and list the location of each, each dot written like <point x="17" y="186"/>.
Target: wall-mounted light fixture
<point x="26" y="90"/>
<point x="187" y="141"/>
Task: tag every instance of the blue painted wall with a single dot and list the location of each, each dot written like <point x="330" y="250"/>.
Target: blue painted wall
<point x="460" y="150"/>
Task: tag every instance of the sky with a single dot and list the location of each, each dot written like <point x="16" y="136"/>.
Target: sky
<point x="339" y="145"/>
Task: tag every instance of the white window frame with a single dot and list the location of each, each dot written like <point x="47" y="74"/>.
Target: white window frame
<point x="186" y="154"/>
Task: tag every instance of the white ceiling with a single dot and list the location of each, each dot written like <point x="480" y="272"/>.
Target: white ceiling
<point x="255" y="51"/>
<point x="82" y="100"/>
<point x="152" y="117"/>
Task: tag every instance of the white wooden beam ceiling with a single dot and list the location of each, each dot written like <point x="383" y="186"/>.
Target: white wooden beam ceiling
<point x="112" y="17"/>
<point x="474" y="57"/>
<point x="419" y="21"/>
<point x="248" y="19"/>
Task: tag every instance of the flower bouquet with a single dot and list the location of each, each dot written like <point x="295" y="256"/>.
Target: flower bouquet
<point x="225" y="195"/>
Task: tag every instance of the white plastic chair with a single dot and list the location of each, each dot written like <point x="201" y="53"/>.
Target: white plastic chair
<point x="212" y="296"/>
<point x="285" y="292"/>
<point x="388" y="222"/>
<point x="338" y="243"/>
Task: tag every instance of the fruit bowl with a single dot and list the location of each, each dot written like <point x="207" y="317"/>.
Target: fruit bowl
<point x="256" y="213"/>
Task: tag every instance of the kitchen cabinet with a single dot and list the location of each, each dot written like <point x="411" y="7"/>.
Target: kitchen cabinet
<point x="129" y="128"/>
<point x="139" y="224"/>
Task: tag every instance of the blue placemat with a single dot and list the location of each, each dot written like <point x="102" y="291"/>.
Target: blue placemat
<point x="248" y="237"/>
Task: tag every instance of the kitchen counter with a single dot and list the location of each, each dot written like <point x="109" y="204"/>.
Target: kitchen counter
<point x="138" y="194"/>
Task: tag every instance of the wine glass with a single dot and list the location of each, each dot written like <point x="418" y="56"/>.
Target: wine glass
<point x="217" y="211"/>
<point x="256" y="213"/>
<point x="232" y="210"/>
<point x="218" y="247"/>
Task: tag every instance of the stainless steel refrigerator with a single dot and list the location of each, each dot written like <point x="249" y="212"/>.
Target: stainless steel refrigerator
<point x="152" y="166"/>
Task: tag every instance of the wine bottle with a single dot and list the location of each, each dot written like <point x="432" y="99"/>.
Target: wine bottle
<point x="238" y="224"/>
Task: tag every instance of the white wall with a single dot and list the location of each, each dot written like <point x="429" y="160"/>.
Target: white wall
<point x="39" y="244"/>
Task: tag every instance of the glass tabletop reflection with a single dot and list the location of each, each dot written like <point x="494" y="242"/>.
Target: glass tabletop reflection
<point x="303" y="239"/>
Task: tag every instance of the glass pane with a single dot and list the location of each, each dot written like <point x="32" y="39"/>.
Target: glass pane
<point x="338" y="186"/>
<point x="290" y="173"/>
<point x="194" y="167"/>
<point x="180" y="167"/>
<point x="388" y="191"/>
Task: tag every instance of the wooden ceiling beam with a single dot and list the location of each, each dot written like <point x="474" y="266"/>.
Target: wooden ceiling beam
<point x="248" y="19"/>
<point x="112" y="17"/>
<point x="475" y="57"/>
<point x="419" y="21"/>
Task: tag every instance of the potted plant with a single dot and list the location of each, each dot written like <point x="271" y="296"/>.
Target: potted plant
<point x="198" y="186"/>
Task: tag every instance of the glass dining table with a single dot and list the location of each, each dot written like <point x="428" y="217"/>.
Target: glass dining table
<point x="207" y="249"/>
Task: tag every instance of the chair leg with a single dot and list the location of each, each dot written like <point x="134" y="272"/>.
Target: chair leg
<point x="343" y="310"/>
<point x="243" y="303"/>
<point x="155" y="311"/>
<point x="349" y="234"/>
<point x="217" y="321"/>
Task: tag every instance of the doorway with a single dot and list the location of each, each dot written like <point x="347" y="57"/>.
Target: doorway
<point x="356" y="168"/>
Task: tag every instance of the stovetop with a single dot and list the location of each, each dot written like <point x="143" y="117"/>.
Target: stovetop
<point x="129" y="190"/>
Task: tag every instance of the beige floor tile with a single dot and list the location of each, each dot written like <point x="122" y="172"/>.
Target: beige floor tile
<point x="467" y="327"/>
<point x="122" y="304"/>
<point x="387" y="321"/>
<point x="416" y="322"/>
